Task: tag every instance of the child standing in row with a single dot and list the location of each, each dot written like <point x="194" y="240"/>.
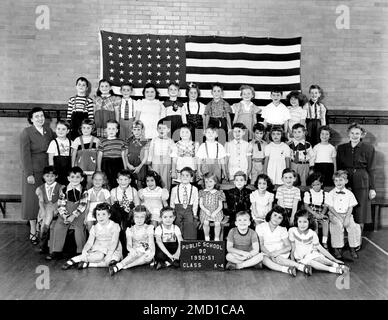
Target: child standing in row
<point x="217" y="112"/>
<point x="111" y="153"/>
<point x="85" y="147"/>
<point x="168" y="238"/>
<point x="258" y="145"/>
<point x="245" y="111"/>
<point x="325" y="156"/>
<point x="211" y="203"/>
<point x="159" y="155"/>
<point x="301" y="153"/>
<point x="238" y="152"/>
<point x="314" y="202"/>
<point x="297" y="114"/>
<point x="184" y="199"/>
<point x="316" y="113"/>
<point x="153" y="197"/>
<point x="306" y="248"/>
<point x="287" y="195"/>
<point x="103" y="247"/>
<point x="127" y="111"/>
<point x="276" y="113"/>
<point x="341" y="202"/>
<point x="194" y="111"/>
<point x="79" y="107"/>
<point x="277" y="156"/>
<point x="261" y="199"/>
<point x="96" y="195"/>
<point x="59" y="151"/>
<point x="174" y="111"/>
<point x="48" y="195"/>
<point x="243" y="245"/>
<point x="136" y="153"/>
<point x="140" y="241"/>
<point x="211" y="155"/>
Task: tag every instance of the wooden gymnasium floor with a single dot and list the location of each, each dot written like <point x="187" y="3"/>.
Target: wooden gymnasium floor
<point x="18" y="263"/>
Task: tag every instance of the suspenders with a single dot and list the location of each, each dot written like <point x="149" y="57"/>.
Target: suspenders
<point x="207" y="151"/>
<point x="311" y="198"/>
<point x="59" y="152"/>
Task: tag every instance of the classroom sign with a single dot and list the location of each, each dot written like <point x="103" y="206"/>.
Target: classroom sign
<point x="202" y="255"/>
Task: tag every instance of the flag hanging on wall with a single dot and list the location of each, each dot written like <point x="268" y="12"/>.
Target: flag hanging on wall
<point x="263" y="63"/>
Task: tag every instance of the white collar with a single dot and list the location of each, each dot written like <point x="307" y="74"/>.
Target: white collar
<point x="300" y="141"/>
<point x="51" y="186"/>
<point x="70" y="187"/>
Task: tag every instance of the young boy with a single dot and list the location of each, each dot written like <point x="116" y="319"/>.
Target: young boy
<point x="238" y="198"/>
<point x="184" y="199"/>
<point x="211" y="155"/>
<point x="136" y="153"/>
<point x="79" y="107"/>
<point x="243" y="245"/>
<point x="287" y="195"/>
<point x="276" y="113"/>
<point x="341" y="202"/>
<point x="257" y="145"/>
<point x="238" y="152"/>
<point x="217" y="112"/>
<point x="159" y="155"/>
<point x="302" y="155"/>
<point x="48" y="195"/>
<point x="72" y="203"/>
<point x="111" y="153"/>
<point x="127" y="111"/>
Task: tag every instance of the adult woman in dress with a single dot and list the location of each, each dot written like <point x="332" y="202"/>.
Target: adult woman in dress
<point x="34" y="141"/>
<point x="358" y="159"/>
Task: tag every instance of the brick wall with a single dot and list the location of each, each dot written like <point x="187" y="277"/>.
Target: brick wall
<point x="41" y="65"/>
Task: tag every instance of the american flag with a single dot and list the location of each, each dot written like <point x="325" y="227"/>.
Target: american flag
<point x="263" y="63"/>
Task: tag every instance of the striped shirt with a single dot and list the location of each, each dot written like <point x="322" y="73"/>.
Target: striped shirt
<point x="111" y="148"/>
<point x="287" y="195"/>
<point x="80" y="104"/>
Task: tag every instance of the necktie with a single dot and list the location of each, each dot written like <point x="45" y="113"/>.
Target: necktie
<point x="258" y="145"/>
<point x="296" y="153"/>
<point x="315" y="110"/>
<point x="125" y="203"/>
<point x="185" y="197"/>
<point x="340" y="192"/>
<point x="126" y="110"/>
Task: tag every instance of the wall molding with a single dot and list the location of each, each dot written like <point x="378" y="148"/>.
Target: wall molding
<point x="337" y="116"/>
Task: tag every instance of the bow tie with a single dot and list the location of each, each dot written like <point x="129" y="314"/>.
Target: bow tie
<point x="340" y="192"/>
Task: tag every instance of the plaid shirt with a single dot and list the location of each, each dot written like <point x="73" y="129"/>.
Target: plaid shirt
<point x="217" y="109"/>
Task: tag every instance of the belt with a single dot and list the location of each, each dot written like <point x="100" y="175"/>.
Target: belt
<point x="258" y="160"/>
<point x="300" y="162"/>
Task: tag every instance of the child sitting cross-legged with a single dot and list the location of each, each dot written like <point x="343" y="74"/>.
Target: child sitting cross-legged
<point x="103" y="247"/>
<point x="243" y="245"/>
<point x="168" y="239"/>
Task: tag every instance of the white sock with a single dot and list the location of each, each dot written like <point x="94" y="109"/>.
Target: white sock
<point x="216" y="239"/>
<point x="284" y="269"/>
<point x="300" y="267"/>
<point x="333" y="269"/>
<point x="335" y="265"/>
<point x="207" y="238"/>
<point x="324" y="239"/>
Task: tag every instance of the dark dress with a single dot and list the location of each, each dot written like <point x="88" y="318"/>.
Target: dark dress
<point x="34" y="157"/>
<point x="359" y="162"/>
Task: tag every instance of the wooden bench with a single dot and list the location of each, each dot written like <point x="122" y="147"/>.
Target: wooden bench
<point x="377" y="203"/>
<point x="4" y="198"/>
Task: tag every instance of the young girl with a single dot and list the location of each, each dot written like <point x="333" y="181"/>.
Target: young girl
<point x="211" y="202"/>
<point x="96" y="195"/>
<point x="194" y="111"/>
<point x="258" y="146"/>
<point x="275" y="246"/>
<point x="59" y="152"/>
<point x="150" y="110"/>
<point x="245" y="111"/>
<point x="48" y="195"/>
<point x="183" y="154"/>
<point x="306" y="248"/>
<point x="168" y="239"/>
<point x="107" y="107"/>
<point x="79" y="107"/>
<point x="261" y="199"/>
<point x="84" y="147"/>
<point x="314" y="203"/>
<point x="277" y="156"/>
<point x="140" y="241"/>
<point x="174" y="110"/>
<point x="217" y="112"/>
<point x="295" y="101"/>
<point x="211" y="155"/>
<point x="316" y="113"/>
<point x="136" y="153"/>
<point x="111" y="153"/>
<point x="103" y="247"/>
<point x="153" y="197"/>
<point x="325" y="156"/>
